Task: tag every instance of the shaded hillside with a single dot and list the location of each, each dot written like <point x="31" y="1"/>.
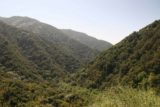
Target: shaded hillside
<point x="28" y="54"/>
<point x="11" y="57"/>
<point x="53" y="36"/>
<point x="134" y="61"/>
<point x="32" y="71"/>
<point x="91" y="42"/>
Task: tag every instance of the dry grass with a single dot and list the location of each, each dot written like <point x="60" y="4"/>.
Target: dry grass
<point x="125" y="97"/>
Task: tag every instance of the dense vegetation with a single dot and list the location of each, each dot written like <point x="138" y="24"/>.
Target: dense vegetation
<point x="135" y="61"/>
<point x="29" y="74"/>
<point x="41" y="66"/>
<point x="29" y="53"/>
<point x="32" y="69"/>
<point x="56" y="41"/>
<point x="91" y="42"/>
<point x="15" y="92"/>
<point x="125" y="97"/>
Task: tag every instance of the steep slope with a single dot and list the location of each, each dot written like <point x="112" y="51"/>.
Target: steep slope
<point x="91" y="42"/>
<point x="11" y="58"/>
<point x="29" y="55"/>
<point x="54" y="36"/>
<point x="134" y="61"/>
<point x="24" y="59"/>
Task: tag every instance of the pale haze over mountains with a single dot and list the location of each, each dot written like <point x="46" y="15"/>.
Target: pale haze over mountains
<point x="109" y="20"/>
<point x="99" y="45"/>
<point x="36" y="26"/>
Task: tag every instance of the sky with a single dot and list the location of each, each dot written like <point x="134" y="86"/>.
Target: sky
<point x="109" y="20"/>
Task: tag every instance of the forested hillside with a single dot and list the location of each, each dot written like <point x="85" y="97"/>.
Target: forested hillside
<point x="41" y="66"/>
<point x="135" y="61"/>
<point x="32" y="72"/>
<point x="23" y="52"/>
<point x="54" y="37"/>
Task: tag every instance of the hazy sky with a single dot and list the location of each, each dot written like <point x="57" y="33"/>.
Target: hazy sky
<point x="110" y="20"/>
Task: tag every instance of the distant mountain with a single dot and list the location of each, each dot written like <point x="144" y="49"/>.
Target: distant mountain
<point x="53" y="36"/>
<point x="30" y="54"/>
<point x="35" y="26"/>
<point x="27" y="54"/>
<point x="134" y="61"/>
<point x="91" y="42"/>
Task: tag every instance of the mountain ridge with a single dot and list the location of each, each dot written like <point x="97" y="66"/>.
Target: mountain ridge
<point x="27" y="23"/>
<point x="92" y="42"/>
